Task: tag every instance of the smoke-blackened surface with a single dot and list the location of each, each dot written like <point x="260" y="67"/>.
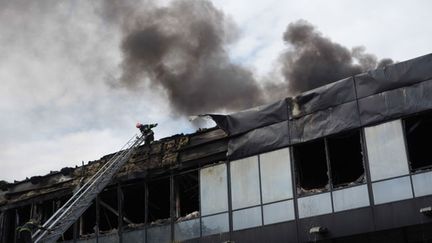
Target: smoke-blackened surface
<point x="314" y="60"/>
<point x="181" y="48"/>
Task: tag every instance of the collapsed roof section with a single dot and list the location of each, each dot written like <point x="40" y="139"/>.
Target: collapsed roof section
<point x="174" y="153"/>
<point x="375" y="96"/>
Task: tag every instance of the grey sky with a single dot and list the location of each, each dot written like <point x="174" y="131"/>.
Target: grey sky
<point x="60" y="104"/>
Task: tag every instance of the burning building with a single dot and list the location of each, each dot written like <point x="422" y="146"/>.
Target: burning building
<point x="345" y="162"/>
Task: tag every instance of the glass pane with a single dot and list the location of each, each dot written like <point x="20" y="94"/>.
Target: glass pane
<point x="187" y="229"/>
<point x="386" y="150"/>
<point x="92" y="240"/>
<point x="314" y="205"/>
<point x="245" y="182"/>
<point x="349" y="198"/>
<point x="278" y="212"/>
<point x="136" y="236"/>
<point x="215" y="224"/>
<point x="392" y="190"/>
<point x="214" y="195"/>
<point x="276" y="175"/>
<point x="159" y="234"/>
<point x="422" y="184"/>
<point x="111" y="238"/>
<point x="247" y="218"/>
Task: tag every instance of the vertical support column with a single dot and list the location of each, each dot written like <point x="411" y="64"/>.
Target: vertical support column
<point x="75" y="232"/>
<point x="294" y="188"/>
<point x="172" y="205"/>
<point x="230" y="217"/>
<point x="146" y="208"/>
<point x="176" y="199"/>
<point x="97" y="218"/>
<point x="329" y="172"/>
<point x="16" y="225"/>
<point x="120" y="212"/>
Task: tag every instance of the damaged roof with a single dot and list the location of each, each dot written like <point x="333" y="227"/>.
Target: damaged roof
<point x="176" y="152"/>
<point x="368" y="98"/>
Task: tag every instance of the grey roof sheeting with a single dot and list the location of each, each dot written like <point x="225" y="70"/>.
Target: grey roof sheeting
<point x="375" y="96"/>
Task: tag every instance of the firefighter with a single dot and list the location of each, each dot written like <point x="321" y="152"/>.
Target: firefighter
<point x="25" y="231"/>
<point x="147" y="131"/>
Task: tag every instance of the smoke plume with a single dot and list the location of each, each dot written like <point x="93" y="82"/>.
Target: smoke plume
<point x="314" y="60"/>
<point x="181" y="49"/>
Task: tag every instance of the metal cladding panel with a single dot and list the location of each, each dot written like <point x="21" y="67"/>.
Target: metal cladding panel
<point x="282" y="232"/>
<point x="341" y="224"/>
<point x="259" y="140"/>
<point x="253" y="118"/>
<point x="324" y="123"/>
<point x="396" y="103"/>
<point x="332" y="94"/>
<point x="394" y="76"/>
<point x="135" y="236"/>
<point x="396" y="214"/>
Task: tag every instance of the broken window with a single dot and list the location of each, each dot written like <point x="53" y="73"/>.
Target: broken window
<point x="186" y="198"/>
<point x="88" y="221"/>
<point x="159" y="201"/>
<point x="23" y="214"/>
<point x="108" y="210"/>
<point x="346" y="159"/>
<point x="418" y="131"/>
<point x="134" y="203"/>
<point x="9" y="225"/>
<point x="187" y="195"/>
<point x="311" y="163"/>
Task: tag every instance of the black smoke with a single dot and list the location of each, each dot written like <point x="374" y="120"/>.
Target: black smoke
<point x="313" y="60"/>
<point x="182" y="49"/>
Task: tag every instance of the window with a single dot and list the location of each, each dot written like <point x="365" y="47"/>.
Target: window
<point x="386" y="150"/>
<point x="134" y="203"/>
<point x="341" y="154"/>
<point x="187" y="195"/>
<point x="311" y="164"/>
<point x="108" y="210"/>
<point x="346" y="159"/>
<point x="159" y="201"/>
<point x="418" y="130"/>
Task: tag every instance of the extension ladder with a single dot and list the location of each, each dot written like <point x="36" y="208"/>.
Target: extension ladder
<point x="55" y="226"/>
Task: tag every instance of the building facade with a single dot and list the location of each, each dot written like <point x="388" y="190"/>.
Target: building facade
<point x="346" y="162"/>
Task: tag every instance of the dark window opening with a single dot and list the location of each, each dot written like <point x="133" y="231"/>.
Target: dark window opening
<point x="418" y="131"/>
<point x="108" y="210"/>
<point x="45" y="210"/>
<point x="159" y="201"/>
<point x="134" y="203"/>
<point x="23" y="214"/>
<point x="10" y="224"/>
<point x="346" y="159"/>
<point x="88" y="220"/>
<point x="187" y="195"/>
<point x="311" y="163"/>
